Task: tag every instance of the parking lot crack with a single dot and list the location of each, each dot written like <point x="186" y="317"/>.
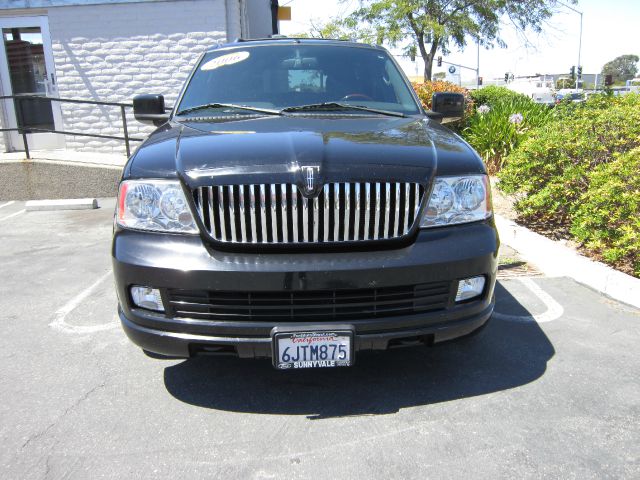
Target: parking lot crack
<point x="36" y="436"/>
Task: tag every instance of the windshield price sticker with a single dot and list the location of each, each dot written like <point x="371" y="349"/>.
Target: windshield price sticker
<point x="228" y="59"/>
<point x="312" y="349"/>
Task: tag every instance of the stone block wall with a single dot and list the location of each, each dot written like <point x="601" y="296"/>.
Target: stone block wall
<point x="113" y="52"/>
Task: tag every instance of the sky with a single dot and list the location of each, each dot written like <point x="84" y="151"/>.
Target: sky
<point x="610" y="28"/>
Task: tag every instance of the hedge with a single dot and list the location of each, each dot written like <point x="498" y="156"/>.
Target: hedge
<point x="572" y="171"/>
<point x="607" y="216"/>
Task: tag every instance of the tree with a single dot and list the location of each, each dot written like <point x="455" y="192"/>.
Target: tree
<point x="621" y="68"/>
<point x="434" y="25"/>
<point x="564" y="82"/>
<point x="332" y="29"/>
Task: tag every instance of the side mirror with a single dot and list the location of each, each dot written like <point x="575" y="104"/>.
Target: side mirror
<point x="448" y="106"/>
<point x="150" y="109"/>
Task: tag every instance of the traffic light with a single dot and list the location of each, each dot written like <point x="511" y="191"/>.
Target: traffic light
<point x="506" y="77"/>
<point x="608" y="80"/>
<point x="479" y="81"/>
<point x="579" y="71"/>
<point x="440" y="61"/>
<point x="572" y="72"/>
<point x="412" y="53"/>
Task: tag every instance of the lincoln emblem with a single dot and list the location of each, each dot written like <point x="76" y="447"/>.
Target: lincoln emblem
<point x="309" y="174"/>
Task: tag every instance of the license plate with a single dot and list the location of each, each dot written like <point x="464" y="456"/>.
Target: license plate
<point x="323" y="348"/>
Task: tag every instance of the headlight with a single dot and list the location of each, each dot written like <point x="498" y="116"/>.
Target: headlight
<point x="158" y="205"/>
<point x="458" y="200"/>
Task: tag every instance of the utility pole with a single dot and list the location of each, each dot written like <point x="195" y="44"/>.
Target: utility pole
<point x="579" y="39"/>
<point x="478" y="66"/>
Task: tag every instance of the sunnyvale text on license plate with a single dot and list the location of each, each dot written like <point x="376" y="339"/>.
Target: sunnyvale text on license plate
<point x="313" y="349"/>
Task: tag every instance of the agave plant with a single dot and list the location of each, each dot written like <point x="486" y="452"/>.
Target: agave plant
<point x="495" y="130"/>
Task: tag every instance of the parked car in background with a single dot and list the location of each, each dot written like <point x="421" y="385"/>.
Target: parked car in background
<point x="539" y="89"/>
<point x="295" y="209"/>
<point x="570" y="95"/>
<point x="633" y="85"/>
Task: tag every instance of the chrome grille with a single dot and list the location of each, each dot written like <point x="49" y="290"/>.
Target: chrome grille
<point x="279" y="213"/>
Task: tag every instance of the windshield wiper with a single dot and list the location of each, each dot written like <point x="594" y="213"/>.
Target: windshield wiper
<point x="228" y="105"/>
<point x="328" y="106"/>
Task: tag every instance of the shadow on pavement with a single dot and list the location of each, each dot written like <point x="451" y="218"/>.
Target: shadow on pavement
<point x="504" y="355"/>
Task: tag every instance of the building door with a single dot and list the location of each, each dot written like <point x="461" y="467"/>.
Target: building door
<point x="27" y="68"/>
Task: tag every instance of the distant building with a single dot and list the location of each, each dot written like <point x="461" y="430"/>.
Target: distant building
<point x="108" y="50"/>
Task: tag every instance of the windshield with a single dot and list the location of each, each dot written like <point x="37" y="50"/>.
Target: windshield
<point x="281" y="76"/>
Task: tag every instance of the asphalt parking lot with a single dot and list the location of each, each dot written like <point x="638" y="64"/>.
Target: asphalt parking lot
<point x="549" y="389"/>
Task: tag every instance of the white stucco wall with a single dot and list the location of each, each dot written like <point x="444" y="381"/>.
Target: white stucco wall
<point x="3" y="147"/>
<point x="258" y="18"/>
<point x="113" y="52"/>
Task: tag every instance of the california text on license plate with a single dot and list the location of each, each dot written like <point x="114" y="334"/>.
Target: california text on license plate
<point x="313" y="349"/>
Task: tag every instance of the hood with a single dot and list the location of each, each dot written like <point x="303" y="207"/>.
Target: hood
<point x="277" y="149"/>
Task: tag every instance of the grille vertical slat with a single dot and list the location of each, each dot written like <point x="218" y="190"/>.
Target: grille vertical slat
<point x="243" y="214"/>
<point x="387" y="208"/>
<point x="376" y="218"/>
<point x="316" y="219"/>
<point x="221" y="214"/>
<point x="252" y="212"/>
<point x="213" y="226"/>
<point x="367" y="209"/>
<point x="273" y="203"/>
<point x="356" y="216"/>
<point x="347" y="210"/>
<point x="396" y="213"/>
<point x="232" y="214"/>
<point x="336" y="212"/>
<point x="294" y="212"/>
<point x="407" y="196"/>
<point x="327" y="207"/>
<point x="200" y="203"/>
<point x="284" y="214"/>
<point x="305" y="219"/>
<point x="263" y="214"/>
<point x="281" y="213"/>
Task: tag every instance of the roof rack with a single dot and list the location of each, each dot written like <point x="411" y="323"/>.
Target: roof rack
<point x="284" y="37"/>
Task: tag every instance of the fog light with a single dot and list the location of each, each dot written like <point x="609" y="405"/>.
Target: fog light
<point x="147" y="297"/>
<point x="469" y="288"/>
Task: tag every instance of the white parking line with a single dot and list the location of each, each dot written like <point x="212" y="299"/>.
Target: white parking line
<point x="553" y="312"/>
<point x="12" y="215"/>
<point x="7" y="204"/>
<point x="59" y="322"/>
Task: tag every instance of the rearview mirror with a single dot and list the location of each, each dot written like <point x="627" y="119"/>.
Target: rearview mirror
<point x="448" y="106"/>
<point x="150" y="109"/>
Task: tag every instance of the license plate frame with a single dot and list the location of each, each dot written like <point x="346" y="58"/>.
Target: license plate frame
<point x="313" y="335"/>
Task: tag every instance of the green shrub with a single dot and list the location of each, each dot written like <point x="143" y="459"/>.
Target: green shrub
<point x="501" y="122"/>
<point x="492" y="95"/>
<point x="607" y="216"/>
<point x="549" y="171"/>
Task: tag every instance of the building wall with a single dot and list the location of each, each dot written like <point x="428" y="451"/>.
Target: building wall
<point x="258" y="18"/>
<point x="234" y="21"/>
<point x="3" y="147"/>
<point x="113" y="52"/>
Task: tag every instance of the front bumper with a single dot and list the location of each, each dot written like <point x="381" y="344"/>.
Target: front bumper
<point x="175" y="261"/>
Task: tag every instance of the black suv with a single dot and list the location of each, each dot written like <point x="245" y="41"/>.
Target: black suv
<point x="299" y="204"/>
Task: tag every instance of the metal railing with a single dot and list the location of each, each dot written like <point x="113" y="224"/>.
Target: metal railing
<point x="25" y="130"/>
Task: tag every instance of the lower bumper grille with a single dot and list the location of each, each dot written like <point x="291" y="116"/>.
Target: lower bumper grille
<point x="306" y="306"/>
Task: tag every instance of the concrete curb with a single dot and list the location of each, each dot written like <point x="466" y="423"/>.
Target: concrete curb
<point x="66" y="204"/>
<point x="555" y="259"/>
